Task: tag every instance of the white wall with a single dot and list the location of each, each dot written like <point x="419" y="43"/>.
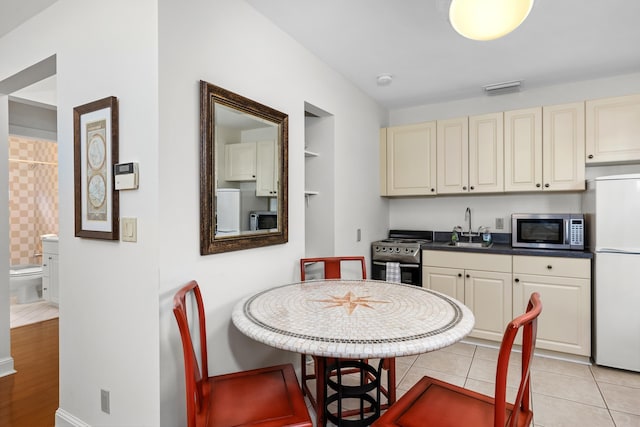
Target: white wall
<point x="444" y="212"/>
<point x="229" y="44"/>
<point x="109" y="290"/>
<point x="6" y="361"/>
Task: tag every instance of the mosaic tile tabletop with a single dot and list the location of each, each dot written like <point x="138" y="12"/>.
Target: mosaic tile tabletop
<point x="353" y="318"/>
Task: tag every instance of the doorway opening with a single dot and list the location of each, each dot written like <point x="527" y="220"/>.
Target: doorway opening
<point x="319" y="150"/>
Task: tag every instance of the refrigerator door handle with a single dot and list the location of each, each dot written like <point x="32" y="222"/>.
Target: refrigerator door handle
<point x="630" y="251"/>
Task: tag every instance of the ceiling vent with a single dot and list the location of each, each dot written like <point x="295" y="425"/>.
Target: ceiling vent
<point x="501" y="88"/>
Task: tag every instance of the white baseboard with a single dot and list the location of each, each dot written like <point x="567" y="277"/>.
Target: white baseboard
<point x="65" y="419"/>
<point x="6" y="367"/>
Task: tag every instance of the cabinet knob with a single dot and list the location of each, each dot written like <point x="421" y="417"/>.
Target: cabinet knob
<point x="538" y="185"/>
<point x="590" y="156"/>
<point x="468" y="276"/>
<point x="549" y="267"/>
<point x="459" y="274"/>
<point x="471" y="188"/>
<point x="464" y="187"/>
<point x="516" y="280"/>
<point x="433" y="189"/>
<point x="546" y="185"/>
<point x="44" y="265"/>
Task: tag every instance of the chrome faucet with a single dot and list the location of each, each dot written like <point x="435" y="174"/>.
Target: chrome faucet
<point x="467" y="217"/>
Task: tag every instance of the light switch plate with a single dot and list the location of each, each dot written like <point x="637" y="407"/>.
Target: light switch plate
<point x="129" y="229"/>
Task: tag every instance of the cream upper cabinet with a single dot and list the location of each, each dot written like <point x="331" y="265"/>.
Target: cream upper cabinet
<point x="564" y="285"/>
<point x="612" y="129"/>
<point x="486" y="153"/>
<point x="544" y="148"/>
<point x="453" y="155"/>
<point x="563" y="147"/>
<point x="408" y="160"/>
<point x="266" y="169"/>
<point x="523" y="150"/>
<point x="481" y="281"/>
<point x="240" y="162"/>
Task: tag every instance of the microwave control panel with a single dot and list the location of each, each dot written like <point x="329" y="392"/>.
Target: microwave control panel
<point x="576" y="232"/>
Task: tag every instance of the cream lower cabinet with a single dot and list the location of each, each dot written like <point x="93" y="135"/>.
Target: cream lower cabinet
<point x="564" y="285"/>
<point x="481" y="281"/>
<point x="408" y="160"/>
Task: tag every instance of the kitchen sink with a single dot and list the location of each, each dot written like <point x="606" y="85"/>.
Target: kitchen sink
<point x="479" y="245"/>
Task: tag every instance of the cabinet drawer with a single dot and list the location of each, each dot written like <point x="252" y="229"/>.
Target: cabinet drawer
<point x="552" y="266"/>
<point x="467" y="260"/>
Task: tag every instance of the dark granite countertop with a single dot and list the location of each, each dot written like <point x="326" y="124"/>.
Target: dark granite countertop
<point x="501" y="246"/>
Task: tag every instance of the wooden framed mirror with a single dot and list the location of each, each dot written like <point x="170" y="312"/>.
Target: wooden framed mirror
<point x="243" y="172"/>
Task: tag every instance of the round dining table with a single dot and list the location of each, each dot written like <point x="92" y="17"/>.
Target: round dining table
<point x="352" y="319"/>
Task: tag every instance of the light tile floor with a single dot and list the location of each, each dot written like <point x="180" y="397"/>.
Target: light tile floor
<point x="564" y="393"/>
<point x="24" y="314"/>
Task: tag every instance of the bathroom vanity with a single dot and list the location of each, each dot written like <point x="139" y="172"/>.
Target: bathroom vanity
<point x="50" y="287"/>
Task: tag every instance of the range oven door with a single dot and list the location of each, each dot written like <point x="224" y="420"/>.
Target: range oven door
<point x="410" y="274"/>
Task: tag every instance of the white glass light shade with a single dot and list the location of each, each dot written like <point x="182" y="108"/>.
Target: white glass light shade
<point x="488" y="19"/>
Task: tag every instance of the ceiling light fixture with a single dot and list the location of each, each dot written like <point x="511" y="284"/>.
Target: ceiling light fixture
<point x="384" y="79"/>
<point x="487" y="19"/>
<point x="504" y="87"/>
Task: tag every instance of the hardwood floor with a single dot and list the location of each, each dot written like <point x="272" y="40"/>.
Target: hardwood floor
<point x="29" y="398"/>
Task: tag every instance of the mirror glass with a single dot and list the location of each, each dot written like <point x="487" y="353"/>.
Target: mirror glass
<point x="243" y="174"/>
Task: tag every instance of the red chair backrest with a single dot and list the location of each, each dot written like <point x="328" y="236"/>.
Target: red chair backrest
<point x="195" y="378"/>
<point x="529" y="324"/>
<point x="332" y="266"/>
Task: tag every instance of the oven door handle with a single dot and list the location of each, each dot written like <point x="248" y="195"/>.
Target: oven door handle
<point x="401" y="265"/>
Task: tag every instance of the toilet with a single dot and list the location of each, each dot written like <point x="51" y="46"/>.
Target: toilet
<point x="25" y="283"/>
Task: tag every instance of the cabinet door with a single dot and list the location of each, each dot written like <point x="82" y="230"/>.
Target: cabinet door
<point x="563" y="165"/>
<point x="612" y="129"/>
<point x="46" y="277"/>
<point x="449" y="281"/>
<point x="489" y="296"/>
<point x="565" y="322"/>
<point x="453" y="155"/>
<point x="523" y="150"/>
<point x="54" y="283"/>
<point x="486" y="153"/>
<point x="411" y="160"/>
<point x="240" y="162"/>
<point x="266" y="169"/>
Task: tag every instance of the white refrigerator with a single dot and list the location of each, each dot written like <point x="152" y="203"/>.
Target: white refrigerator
<point x="227" y="212"/>
<point x="612" y="206"/>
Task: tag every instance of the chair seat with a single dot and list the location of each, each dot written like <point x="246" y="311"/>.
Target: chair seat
<point x="456" y="407"/>
<point x="265" y="397"/>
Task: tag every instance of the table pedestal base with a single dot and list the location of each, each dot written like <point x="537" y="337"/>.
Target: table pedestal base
<point x="339" y="392"/>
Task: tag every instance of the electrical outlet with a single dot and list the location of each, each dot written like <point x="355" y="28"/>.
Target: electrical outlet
<point x="104" y="401"/>
<point x="499" y="223"/>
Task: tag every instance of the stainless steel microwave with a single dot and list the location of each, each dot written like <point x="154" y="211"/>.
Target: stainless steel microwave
<point x="263" y="220"/>
<point x="548" y="231"/>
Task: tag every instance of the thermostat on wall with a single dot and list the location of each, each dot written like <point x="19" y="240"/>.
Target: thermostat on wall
<point x="126" y="176"/>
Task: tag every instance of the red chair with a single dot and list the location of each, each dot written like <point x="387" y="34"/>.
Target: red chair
<point x="265" y="397"/>
<point x="332" y="268"/>
<point x="435" y="403"/>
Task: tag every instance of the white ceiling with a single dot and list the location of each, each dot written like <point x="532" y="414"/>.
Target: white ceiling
<point x="561" y="40"/>
<point x="15" y="12"/>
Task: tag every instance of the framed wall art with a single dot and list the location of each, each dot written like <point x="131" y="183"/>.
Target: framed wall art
<point x="95" y="141"/>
